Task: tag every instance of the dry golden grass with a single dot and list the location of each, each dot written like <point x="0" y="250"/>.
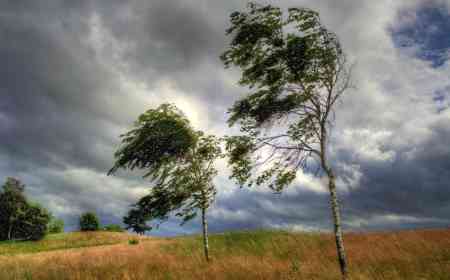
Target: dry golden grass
<point x="423" y="254"/>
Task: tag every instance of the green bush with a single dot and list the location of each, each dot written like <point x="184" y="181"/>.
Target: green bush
<point x="133" y="241"/>
<point x="89" y="222"/>
<point x="113" y="228"/>
<point x="55" y="225"/>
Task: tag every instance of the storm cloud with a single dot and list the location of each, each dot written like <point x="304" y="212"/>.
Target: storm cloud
<point x="76" y="74"/>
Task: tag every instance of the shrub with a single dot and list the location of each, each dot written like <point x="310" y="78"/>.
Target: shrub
<point x="89" y="222"/>
<point x="133" y="241"/>
<point x="113" y="228"/>
<point x="55" y="225"/>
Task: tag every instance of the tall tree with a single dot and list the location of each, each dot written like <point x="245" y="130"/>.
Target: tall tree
<point x="296" y="71"/>
<point x="178" y="159"/>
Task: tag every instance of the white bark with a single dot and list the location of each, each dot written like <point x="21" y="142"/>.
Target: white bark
<point x="337" y="225"/>
<point x="334" y="202"/>
<point x="205" y="234"/>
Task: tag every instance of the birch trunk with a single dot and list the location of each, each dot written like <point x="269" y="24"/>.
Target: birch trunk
<point x="334" y="202"/>
<point x="205" y="234"/>
<point x="337" y="224"/>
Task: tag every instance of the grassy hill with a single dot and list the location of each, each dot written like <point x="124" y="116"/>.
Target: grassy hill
<point x="61" y="241"/>
<point x="421" y="254"/>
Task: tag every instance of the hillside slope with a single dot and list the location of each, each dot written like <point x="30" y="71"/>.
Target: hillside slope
<point x="61" y="241"/>
<point x="421" y="254"/>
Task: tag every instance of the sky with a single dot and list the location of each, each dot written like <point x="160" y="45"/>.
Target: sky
<point x="74" y="75"/>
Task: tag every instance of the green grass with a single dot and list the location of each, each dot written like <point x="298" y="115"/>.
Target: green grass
<point x="60" y="241"/>
<point x="252" y="243"/>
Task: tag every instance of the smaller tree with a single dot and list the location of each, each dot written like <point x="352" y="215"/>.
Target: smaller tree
<point x="33" y="225"/>
<point x="55" y="225"/>
<point x="89" y="222"/>
<point x="13" y="206"/>
<point x="19" y="219"/>
<point x="136" y="221"/>
<point x="178" y="159"/>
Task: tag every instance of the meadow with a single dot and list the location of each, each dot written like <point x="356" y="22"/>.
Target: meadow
<point x="261" y="254"/>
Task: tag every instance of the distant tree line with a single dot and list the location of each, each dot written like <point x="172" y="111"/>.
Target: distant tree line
<point x="89" y="221"/>
<point x="21" y="219"/>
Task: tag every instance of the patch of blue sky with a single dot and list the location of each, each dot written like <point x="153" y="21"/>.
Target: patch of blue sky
<point x="442" y="99"/>
<point x="424" y="30"/>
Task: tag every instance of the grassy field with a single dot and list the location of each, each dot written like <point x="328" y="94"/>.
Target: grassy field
<point x="62" y="241"/>
<point x="421" y="254"/>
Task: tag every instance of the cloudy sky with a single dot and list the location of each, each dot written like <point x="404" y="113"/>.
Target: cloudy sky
<point x="74" y="75"/>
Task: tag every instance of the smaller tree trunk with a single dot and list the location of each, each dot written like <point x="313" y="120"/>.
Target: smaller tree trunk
<point x="9" y="231"/>
<point x="205" y="234"/>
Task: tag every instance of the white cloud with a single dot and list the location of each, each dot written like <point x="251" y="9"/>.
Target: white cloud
<point x="368" y="145"/>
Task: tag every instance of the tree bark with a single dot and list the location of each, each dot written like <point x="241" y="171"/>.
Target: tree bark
<point x="205" y="234"/>
<point x="9" y="231"/>
<point x="334" y="202"/>
<point x="337" y="224"/>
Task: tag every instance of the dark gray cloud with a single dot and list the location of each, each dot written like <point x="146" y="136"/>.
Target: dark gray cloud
<point x="75" y="74"/>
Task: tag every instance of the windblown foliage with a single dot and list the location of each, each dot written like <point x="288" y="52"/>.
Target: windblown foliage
<point x="296" y="70"/>
<point x="178" y="159"/>
<point x="160" y="137"/>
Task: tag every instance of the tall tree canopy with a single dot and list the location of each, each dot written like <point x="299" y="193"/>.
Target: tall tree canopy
<point x="178" y="159"/>
<point x="296" y="71"/>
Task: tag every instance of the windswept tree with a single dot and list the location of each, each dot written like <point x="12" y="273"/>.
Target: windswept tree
<point x="296" y="71"/>
<point x="178" y="159"/>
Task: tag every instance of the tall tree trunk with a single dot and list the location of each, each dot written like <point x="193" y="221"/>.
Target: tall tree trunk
<point x="334" y="202"/>
<point x="205" y="234"/>
<point x="337" y="224"/>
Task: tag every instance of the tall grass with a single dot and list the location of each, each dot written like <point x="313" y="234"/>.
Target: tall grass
<point x="260" y="254"/>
